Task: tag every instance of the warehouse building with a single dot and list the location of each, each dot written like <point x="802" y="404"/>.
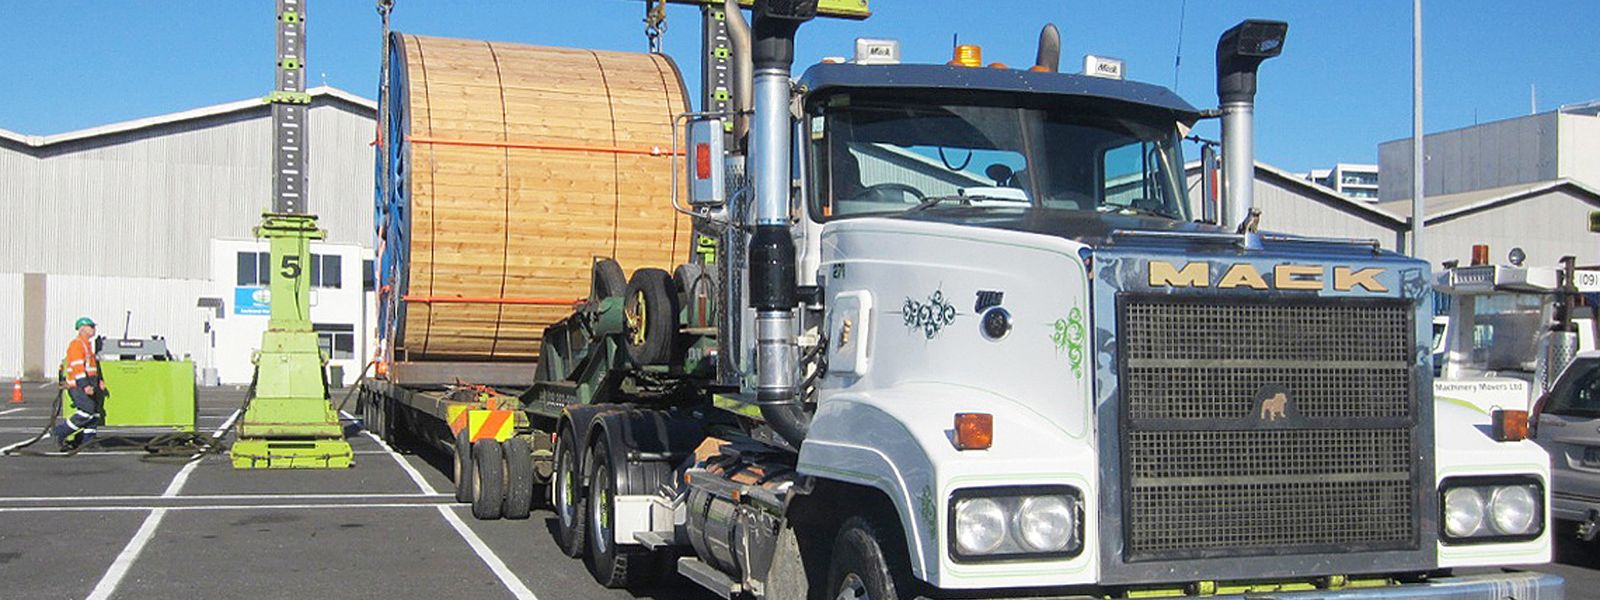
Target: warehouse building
<point x="1528" y="182"/>
<point x="1291" y="204"/>
<point x="149" y="223"/>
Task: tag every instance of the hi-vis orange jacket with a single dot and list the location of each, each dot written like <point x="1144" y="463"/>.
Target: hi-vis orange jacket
<point x="81" y="362"/>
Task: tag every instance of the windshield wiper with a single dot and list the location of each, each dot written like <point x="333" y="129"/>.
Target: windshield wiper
<point x="966" y="200"/>
<point x="1112" y="208"/>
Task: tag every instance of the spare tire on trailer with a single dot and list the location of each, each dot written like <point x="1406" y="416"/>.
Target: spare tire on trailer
<point x="504" y="170"/>
<point x="651" y="306"/>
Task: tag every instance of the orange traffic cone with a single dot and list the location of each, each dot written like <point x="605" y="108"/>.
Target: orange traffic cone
<point x="16" y="391"/>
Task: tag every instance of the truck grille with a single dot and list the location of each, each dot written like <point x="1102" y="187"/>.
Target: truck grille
<point x="1215" y="466"/>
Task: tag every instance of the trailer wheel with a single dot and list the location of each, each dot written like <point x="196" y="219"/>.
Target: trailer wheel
<point x="567" y="497"/>
<point x="651" y="309"/>
<point x="608" y="280"/>
<point x="463" y="472"/>
<point x="863" y="563"/>
<point x="612" y="565"/>
<point x="519" y="479"/>
<point x="488" y="479"/>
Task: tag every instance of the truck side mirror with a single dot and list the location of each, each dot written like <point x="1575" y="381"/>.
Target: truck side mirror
<point x="704" y="158"/>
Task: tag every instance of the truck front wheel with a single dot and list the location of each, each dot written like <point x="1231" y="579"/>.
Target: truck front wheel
<point x="864" y="562"/>
<point x="567" y="497"/>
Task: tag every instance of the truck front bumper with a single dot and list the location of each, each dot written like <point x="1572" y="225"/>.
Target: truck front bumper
<point x="1493" y="586"/>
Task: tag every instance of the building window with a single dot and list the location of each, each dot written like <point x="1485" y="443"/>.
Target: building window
<point x="254" y="268"/>
<point x="369" y="276"/>
<point x="336" y="339"/>
<point x="327" y="271"/>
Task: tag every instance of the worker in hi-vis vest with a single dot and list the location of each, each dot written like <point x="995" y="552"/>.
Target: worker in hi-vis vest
<point x="85" y="387"/>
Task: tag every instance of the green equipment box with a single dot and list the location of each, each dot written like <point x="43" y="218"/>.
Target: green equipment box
<point x="145" y="393"/>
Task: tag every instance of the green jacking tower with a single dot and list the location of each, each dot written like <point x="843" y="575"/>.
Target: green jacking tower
<point x="289" y="422"/>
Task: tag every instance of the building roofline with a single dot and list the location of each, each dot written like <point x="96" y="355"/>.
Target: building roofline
<point x="1324" y="192"/>
<point x="1515" y="196"/>
<point x="203" y="112"/>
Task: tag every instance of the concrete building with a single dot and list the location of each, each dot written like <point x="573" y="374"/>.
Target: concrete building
<point x="150" y="219"/>
<point x="1544" y="147"/>
<point x="1358" y="181"/>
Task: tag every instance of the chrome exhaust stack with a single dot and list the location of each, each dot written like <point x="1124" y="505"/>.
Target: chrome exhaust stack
<point x="772" y="252"/>
<point x="1240" y="52"/>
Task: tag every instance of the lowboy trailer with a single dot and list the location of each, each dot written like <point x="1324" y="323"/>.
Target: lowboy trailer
<point x="959" y="337"/>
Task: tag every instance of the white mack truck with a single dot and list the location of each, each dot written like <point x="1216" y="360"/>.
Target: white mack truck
<point x="952" y="332"/>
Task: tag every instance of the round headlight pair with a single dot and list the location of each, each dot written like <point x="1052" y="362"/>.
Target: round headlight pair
<point x="1492" y="510"/>
<point x="1041" y="523"/>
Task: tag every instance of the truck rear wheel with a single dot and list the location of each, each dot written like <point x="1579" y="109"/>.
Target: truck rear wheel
<point x="613" y="565"/>
<point x="567" y="497"/>
<point x="463" y="471"/>
<point x="651" y="309"/>
<point x="861" y="563"/>
<point x="519" y="479"/>
<point x="488" y="479"/>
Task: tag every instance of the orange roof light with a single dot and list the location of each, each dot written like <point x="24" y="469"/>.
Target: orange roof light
<point x="974" y="431"/>
<point x="1510" y="425"/>
<point x="967" y="55"/>
<point x="1480" y="254"/>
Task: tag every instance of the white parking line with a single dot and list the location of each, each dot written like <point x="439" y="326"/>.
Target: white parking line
<point x="183" y="474"/>
<point x="416" y="477"/>
<point x="11" y="410"/>
<point x="130" y="553"/>
<point x="485" y="553"/>
<point x="213" y="497"/>
<point x="119" y="567"/>
<point x="159" y="510"/>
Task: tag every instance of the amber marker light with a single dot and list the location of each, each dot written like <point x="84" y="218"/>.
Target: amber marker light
<point x="1510" y="425"/>
<point x="974" y="431"/>
<point x="1480" y="254"/>
<point x="968" y="55"/>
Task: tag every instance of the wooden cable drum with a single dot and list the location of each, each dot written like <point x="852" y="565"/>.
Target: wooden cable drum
<point x="510" y="168"/>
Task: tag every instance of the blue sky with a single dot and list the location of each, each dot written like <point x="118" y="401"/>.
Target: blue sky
<point x="1342" y="86"/>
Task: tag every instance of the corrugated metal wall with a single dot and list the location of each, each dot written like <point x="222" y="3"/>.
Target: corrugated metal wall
<point x="10" y="326"/>
<point x="1546" y="227"/>
<point x="164" y="307"/>
<point x="1287" y="207"/>
<point x="145" y="203"/>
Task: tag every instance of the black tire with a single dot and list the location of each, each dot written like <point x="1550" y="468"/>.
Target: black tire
<point x="608" y="280"/>
<point x="864" y="562"/>
<point x="463" y="471"/>
<point x="489" y="479"/>
<point x="519" y="479"/>
<point x="567" y="497"/>
<point x="651" y="307"/>
<point x="612" y="565"/>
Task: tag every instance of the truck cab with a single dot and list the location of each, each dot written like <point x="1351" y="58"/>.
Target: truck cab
<point x="977" y="346"/>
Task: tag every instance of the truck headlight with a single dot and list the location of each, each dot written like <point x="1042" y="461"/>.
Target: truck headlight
<point x="1015" y="523"/>
<point x="980" y="526"/>
<point x="1492" y="509"/>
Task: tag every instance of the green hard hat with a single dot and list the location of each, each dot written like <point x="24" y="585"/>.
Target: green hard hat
<point x="83" y="321"/>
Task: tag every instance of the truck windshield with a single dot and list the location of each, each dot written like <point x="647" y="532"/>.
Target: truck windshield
<point x="875" y="156"/>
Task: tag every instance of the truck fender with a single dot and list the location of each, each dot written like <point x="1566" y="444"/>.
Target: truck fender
<point x="840" y="454"/>
<point x="647" y="449"/>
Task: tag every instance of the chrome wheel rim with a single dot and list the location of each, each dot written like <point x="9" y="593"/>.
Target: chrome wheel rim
<point x="601" y="511"/>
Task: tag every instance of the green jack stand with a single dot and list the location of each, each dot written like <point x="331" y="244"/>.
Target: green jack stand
<point x="290" y="424"/>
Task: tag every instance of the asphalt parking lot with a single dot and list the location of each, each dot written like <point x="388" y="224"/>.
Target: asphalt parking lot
<point x="108" y="524"/>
